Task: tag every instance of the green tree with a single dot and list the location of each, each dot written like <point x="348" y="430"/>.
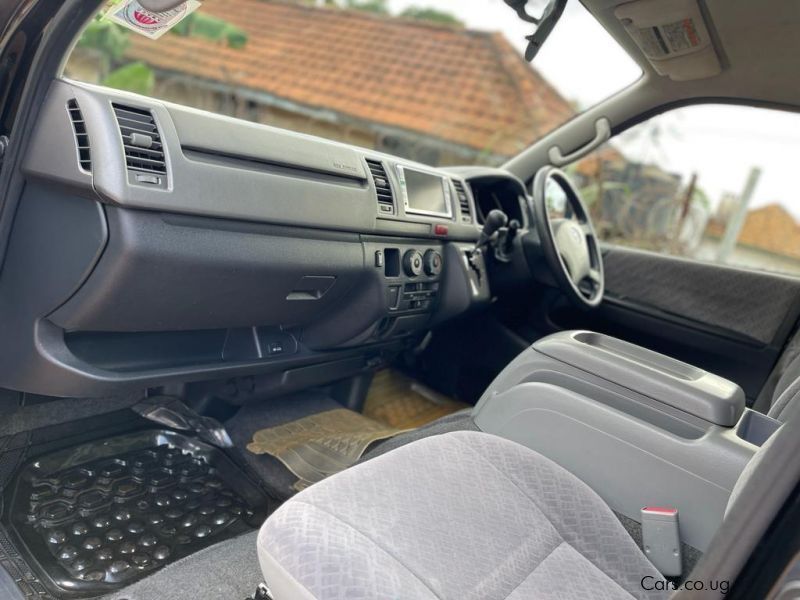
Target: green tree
<point x="380" y="7"/>
<point x="422" y="13"/>
<point x="700" y="198"/>
<point x="134" y="77"/>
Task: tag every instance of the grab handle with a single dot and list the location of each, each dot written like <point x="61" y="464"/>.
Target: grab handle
<point x="602" y="133"/>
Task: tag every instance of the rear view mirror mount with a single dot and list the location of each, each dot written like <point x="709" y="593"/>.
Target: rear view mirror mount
<point x="544" y="23"/>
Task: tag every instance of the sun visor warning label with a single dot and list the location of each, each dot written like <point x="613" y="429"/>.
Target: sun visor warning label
<point x="150" y="24"/>
<point x="662" y="41"/>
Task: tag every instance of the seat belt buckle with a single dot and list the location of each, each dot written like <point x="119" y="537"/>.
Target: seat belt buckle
<point x="661" y="539"/>
<point x="262" y="593"/>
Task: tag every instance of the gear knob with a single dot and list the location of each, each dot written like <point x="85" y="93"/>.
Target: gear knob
<point x="494" y="221"/>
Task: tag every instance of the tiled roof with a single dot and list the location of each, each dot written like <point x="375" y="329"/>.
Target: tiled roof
<point x="467" y="87"/>
<point x="771" y="228"/>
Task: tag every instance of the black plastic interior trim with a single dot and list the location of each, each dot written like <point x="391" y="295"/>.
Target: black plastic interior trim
<point x="38" y="67"/>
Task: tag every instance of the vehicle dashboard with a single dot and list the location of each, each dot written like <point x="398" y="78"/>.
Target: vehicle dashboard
<point x="157" y="243"/>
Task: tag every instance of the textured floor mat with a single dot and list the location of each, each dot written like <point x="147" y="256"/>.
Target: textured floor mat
<point x="398" y="401"/>
<point x="253" y="416"/>
<point x="101" y="515"/>
<point x="321" y="444"/>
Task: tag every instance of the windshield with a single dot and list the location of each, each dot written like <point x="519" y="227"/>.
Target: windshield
<point x="435" y="81"/>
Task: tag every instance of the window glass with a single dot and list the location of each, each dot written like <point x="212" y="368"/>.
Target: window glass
<point x="714" y="183"/>
<point x="555" y="197"/>
<point x="437" y="81"/>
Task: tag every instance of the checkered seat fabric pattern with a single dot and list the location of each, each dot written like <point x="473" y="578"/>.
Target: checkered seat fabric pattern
<point x="464" y="515"/>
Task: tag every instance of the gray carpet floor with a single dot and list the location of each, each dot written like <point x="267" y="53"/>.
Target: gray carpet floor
<point x="225" y="571"/>
<point x="271" y="413"/>
<point x="55" y="411"/>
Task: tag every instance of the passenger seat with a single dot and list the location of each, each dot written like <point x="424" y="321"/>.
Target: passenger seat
<point x="464" y="515"/>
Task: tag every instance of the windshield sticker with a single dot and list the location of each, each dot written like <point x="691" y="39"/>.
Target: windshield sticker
<point x="150" y="24"/>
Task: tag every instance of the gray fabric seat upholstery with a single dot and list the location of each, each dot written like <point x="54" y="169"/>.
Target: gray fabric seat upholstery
<point x="786" y="396"/>
<point x="464" y="515"/>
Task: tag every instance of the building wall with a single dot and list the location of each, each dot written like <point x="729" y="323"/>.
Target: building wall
<point x="85" y="65"/>
<point x="180" y="91"/>
<point x="749" y="257"/>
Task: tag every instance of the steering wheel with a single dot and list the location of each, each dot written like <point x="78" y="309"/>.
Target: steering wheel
<point x="567" y="237"/>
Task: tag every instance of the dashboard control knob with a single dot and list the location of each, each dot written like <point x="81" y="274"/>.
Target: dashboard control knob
<point x="432" y="262"/>
<point x="412" y="263"/>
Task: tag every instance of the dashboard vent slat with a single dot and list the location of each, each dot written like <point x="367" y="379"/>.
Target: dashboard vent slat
<point x="81" y="137"/>
<point x="383" y="186"/>
<point x="463" y="200"/>
<point x="140" y="139"/>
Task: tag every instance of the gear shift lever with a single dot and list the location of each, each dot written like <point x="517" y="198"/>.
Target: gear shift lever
<point x="494" y="221"/>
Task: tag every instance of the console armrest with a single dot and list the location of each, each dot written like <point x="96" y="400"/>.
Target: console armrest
<point x="669" y="381"/>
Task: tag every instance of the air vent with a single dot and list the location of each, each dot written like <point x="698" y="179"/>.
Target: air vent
<point x="143" y="150"/>
<point x="463" y="201"/>
<point x="81" y="137"/>
<point x="382" y="186"/>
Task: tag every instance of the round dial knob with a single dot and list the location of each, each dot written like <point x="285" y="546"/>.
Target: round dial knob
<point x="412" y="263"/>
<point x="432" y="262"/>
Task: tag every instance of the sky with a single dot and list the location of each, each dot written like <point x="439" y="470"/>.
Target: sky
<point x="720" y="143"/>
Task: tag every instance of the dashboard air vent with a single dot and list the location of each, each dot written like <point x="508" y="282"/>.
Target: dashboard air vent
<point x="81" y="137"/>
<point x="463" y="201"/>
<point x="382" y="186"/>
<point x="143" y="150"/>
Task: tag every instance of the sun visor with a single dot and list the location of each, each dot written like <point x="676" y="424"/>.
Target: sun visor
<point x="673" y="35"/>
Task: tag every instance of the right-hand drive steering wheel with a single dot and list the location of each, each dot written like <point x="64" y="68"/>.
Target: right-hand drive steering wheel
<point x="567" y="237"/>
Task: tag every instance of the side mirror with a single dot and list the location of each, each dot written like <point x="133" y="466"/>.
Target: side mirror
<point x="544" y="23"/>
<point x="159" y="6"/>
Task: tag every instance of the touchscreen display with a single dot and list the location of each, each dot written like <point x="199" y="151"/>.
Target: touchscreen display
<point x="425" y="192"/>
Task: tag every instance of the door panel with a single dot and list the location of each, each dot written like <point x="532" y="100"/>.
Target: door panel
<point x="752" y="305"/>
<point x="732" y="322"/>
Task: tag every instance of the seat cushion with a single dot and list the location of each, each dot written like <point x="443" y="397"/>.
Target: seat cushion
<point x="464" y="515"/>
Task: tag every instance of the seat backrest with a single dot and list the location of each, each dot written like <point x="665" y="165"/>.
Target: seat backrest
<point x="761" y="491"/>
<point x="786" y="397"/>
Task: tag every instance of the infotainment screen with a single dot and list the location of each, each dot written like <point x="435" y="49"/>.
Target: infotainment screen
<point x="425" y="193"/>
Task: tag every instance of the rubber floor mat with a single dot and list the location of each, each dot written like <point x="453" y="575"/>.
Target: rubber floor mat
<point x="398" y="401"/>
<point x="318" y="445"/>
<point x="101" y="515"/>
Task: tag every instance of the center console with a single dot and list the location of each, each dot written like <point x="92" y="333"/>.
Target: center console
<point x="410" y="275"/>
<point x="415" y="284"/>
<point x="638" y="427"/>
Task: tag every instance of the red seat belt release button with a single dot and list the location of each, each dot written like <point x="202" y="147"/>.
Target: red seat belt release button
<point x="661" y="539"/>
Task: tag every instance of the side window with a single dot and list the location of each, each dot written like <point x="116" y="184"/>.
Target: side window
<point x="714" y="183"/>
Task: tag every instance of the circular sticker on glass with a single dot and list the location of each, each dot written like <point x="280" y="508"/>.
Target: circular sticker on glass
<point x="134" y="16"/>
